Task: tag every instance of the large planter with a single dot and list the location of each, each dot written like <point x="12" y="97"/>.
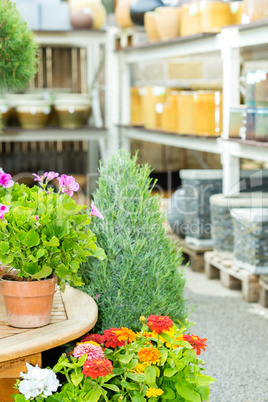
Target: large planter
<point x="167" y="22"/>
<point x="95" y="6"/>
<point x="122" y="14"/>
<point x="28" y="303"/>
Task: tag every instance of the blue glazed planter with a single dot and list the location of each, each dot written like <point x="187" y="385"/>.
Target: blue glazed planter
<point x="139" y="7"/>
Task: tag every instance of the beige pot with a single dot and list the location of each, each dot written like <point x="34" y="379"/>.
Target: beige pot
<point x="72" y="113"/>
<point x="122" y="14"/>
<point x="150" y="26"/>
<point x="33" y="114"/>
<point x="167" y="22"/>
<point x="96" y="7"/>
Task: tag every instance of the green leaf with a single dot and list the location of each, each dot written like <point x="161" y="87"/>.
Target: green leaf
<point x="169" y="372"/>
<point x="54" y="242"/>
<point x="4" y="247"/>
<point x="204" y="392"/>
<point x="31" y="239"/>
<point x="40" y="252"/>
<point x="44" y="273"/>
<point x="187" y="391"/>
<point x="163" y="356"/>
<point x="94" y="395"/>
<point x="136" y="377"/>
<point x="118" y="371"/>
<point x="138" y="399"/>
<point x="129" y="385"/>
<point x="167" y="338"/>
<point x="204" y="380"/>
<point x="77" y="378"/>
<point x="132" y="364"/>
<point x="112" y="387"/>
<point x="150" y="374"/>
<point x="168" y="393"/>
<point x="125" y="359"/>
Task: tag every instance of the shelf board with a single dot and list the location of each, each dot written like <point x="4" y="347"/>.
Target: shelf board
<point x="253" y="150"/>
<point x="16" y="134"/>
<point x="248" y="35"/>
<point x="193" y="142"/>
<point x="180" y="46"/>
<point x="75" y="38"/>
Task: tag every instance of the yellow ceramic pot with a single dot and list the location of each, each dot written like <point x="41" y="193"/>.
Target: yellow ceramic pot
<point x="150" y="26"/>
<point x="167" y="22"/>
<point x="122" y="14"/>
<point x="96" y="7"/>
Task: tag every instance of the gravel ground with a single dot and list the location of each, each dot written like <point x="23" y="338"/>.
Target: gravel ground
<point x="237" y="338"/>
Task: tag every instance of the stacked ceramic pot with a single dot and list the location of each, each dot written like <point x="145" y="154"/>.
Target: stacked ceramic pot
<point x="87" y="14"/>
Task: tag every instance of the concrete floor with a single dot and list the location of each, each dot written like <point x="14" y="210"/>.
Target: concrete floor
<point x="237" y="338"/>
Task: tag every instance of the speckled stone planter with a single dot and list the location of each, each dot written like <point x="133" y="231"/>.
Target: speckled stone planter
<point x="250" y="239"/>
<point x="221" y="219"/>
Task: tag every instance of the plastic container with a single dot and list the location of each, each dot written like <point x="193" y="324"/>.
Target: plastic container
<point x="221" y="219"/>
<point x="237" y="124"/>
<point x="250" y="123"/>
<point x="208" y="113"/>
<point x="250" y="239"/>
<point x="136" y="107"/>
<point x="256" y="9"/>
<point x="250" y="80"/>
<point x="152" y="101"/>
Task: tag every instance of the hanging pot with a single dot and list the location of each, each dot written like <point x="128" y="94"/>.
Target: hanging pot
<point x="139" y="7"/>
<point x="28" y="303"/>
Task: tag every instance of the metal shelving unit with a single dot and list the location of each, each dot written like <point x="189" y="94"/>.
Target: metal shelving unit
<point x="234" y="44"/>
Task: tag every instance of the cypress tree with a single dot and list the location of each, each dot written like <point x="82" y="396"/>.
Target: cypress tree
<point x="141" y="274"/>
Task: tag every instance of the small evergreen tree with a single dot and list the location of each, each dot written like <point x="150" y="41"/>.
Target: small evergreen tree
<point x="141" y="274"/>
<point x="18" y="50"/>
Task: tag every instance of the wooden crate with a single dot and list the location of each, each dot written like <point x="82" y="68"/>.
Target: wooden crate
<point x="263" y="300"/>
<point x="191" y="253"/>
<point x="232" y="277"/>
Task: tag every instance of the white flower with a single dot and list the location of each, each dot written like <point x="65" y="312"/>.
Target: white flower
<point x="38" y="382"/>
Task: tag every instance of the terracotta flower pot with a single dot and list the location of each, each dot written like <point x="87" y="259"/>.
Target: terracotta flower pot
<point x="150" y="26"/>
<point x="122" y="14"/>
<point x="28" y="304"/>
<point x="167" y="22"/>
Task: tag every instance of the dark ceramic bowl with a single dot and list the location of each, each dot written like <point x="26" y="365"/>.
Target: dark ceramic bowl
<point x="139" y="7"/>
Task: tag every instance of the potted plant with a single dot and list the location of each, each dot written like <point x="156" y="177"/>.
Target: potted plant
<point x="44" y="237"/>
<point x="160" y="362"/>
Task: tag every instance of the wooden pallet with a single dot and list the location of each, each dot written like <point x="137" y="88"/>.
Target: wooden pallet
<point x="263" y="300"/>
<point x="232" y="277"/>
<point x="191" y="253"/>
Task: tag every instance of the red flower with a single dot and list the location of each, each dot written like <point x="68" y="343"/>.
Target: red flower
<point x="196" y="342"/>
<point x="94" y="337"/>
<point x="159" y="323"/>
<point x="97" y="368"/>
<point x="111" y="339"/>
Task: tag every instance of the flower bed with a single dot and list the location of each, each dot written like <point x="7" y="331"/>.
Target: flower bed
<point x="158" y="363"/>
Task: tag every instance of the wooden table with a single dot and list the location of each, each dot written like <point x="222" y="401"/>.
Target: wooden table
<point x="73" y="314"/>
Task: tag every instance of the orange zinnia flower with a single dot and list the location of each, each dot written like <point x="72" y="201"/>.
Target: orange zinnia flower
<point x="111" y="339"/>
<point x="125" y="334"/>
<point x="97" y="368"/>
<point x="149" y="355"/>
<point x="196" y="342"/>
<point x="159" y="323"/>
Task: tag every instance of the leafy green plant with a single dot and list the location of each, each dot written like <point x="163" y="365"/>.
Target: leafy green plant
<point x="44" y="232"/>
<point x="160" y="362"/>
<point x="18" y="50"/>
<point x="141" y="274"/>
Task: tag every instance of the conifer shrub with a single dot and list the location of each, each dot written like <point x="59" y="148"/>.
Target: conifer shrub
<point x="18" y="50"/>
<point x="141" y="274"/>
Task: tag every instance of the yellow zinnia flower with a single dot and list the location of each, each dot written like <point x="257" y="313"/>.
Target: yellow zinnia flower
<point x="125" y="334"/>
<point x="153" y="392"/>
<point x="140" y="367"/>
<point x="150" y="354"/>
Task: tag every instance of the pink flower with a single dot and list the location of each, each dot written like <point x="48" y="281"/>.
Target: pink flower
<point x="38" y="178"/>
<point x="50" y="176"/>
<point x="68" y="184"/>
<point x="36" y="217"/>
<point x="3" y="210"/>
<point x="95" y="211"/>
<point x="6" y="180"/>
<point x="92" y="351"/>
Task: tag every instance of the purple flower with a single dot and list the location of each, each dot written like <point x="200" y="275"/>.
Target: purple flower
<point x="50" y="175"/>
<point x="3" y="209"/>
<point x="6" y="180"/>
<point x="95" y="211"/>
<point x="68" y="184"/>
<point x="38" y="178"/>
<point x="36" y="217"/>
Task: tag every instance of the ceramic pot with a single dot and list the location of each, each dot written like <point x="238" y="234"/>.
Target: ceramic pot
<point x="122" y="14"/>
<point x="167" y="22"/>
<point x="4" y="112"/>
<point x="150" y="26"/>
<point x="33" y="114"/>
<point x="96" y="7"/>
<point x="28" y="303"/>
<point x="72" y="112"/>
<point x="81" y="18"/>
<point x="139" y="7"/>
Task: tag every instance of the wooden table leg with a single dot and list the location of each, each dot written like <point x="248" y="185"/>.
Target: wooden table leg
<point x="10" y="371"/>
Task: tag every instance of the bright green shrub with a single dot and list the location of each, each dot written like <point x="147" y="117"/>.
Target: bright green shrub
<point x="140" y="275"/>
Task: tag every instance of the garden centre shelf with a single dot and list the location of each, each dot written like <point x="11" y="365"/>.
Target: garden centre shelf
<point x="235" y="44"/>
<point x="193" y="142"/>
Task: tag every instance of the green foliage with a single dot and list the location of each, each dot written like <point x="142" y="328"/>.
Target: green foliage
<point x="45" y="233"/>
<point x="141" y="274"/>
<point x="18" y="50"/>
